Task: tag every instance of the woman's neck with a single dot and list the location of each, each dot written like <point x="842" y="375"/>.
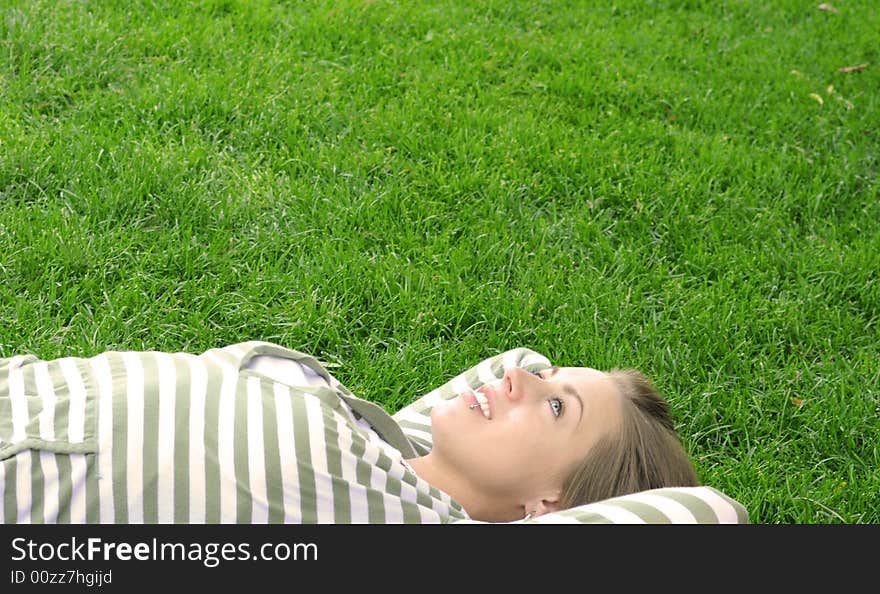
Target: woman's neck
<point x="441" y="475"/>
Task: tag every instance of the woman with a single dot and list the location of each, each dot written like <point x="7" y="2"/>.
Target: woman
<point x="257" y="433"/>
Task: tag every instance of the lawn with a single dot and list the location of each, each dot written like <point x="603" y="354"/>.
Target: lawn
<point x="404" y="189"/>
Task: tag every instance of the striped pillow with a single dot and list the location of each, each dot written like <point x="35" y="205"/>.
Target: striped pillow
<point x="677" y="505"/>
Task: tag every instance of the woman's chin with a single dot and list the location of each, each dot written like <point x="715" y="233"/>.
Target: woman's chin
<point x="450" y="418"/>
<point x="444" y="410"/>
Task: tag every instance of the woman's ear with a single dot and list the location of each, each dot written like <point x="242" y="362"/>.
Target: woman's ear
<point x="540" y="506"/>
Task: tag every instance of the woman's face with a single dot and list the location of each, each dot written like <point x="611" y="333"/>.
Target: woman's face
<point x="538" y="429"/>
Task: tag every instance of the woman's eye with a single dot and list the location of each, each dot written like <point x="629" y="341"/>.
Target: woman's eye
<point x="538" y="373"/>
<point x="556" y="405"/>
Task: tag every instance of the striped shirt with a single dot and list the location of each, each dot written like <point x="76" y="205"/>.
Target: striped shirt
<point x="248" y="433"/>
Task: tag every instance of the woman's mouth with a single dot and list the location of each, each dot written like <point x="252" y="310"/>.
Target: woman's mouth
<point x="475" y="399"/>
<point x="486" y="395"/>
<point x="484" y="405"/>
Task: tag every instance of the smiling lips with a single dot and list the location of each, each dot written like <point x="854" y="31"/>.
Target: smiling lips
<point x="484" y="405"/>
<point x="483" y="400"/>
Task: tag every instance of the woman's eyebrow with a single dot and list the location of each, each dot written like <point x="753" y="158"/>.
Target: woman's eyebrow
<point x="570" y="391"/>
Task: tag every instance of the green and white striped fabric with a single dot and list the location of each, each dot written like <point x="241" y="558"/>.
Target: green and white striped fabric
<point x="150" y="437"/>
<point x="704" y="505"/>
<point x="678" y="505"/>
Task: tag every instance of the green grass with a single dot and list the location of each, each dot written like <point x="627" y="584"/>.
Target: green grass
<point x="407" y="188"/>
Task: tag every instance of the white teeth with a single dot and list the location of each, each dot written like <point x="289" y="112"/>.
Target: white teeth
<point x="484" y="404"/>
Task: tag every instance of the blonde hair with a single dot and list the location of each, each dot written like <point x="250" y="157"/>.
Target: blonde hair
<point x="645" y="453"/>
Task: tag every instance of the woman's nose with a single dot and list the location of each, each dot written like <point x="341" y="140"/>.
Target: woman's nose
<point x="517" y="384"/>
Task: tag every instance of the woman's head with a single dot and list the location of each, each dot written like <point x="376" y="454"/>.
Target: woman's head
<point x="553" y="439"/>
<point x="644" y="453"/>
